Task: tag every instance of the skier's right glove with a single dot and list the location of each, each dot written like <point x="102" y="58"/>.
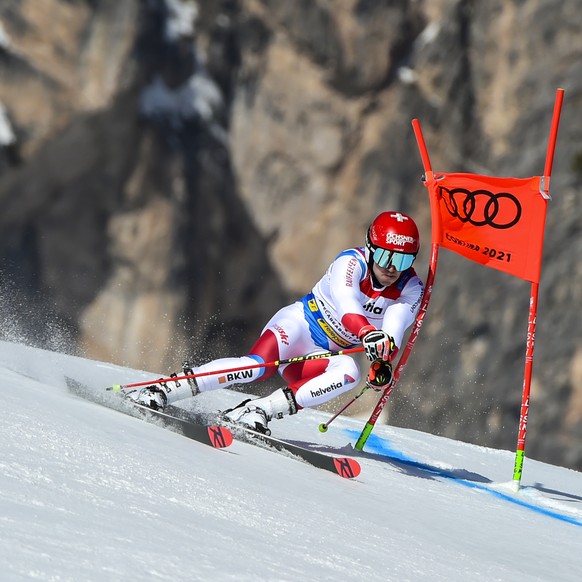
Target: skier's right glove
<point x="379" y="375"/>
<point x="378" y="345"/>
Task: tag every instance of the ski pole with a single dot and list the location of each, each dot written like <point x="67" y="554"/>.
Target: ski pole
<point x="325" y="425"/>
<point x="369" y="426"/>
<point x="293" y="360"/>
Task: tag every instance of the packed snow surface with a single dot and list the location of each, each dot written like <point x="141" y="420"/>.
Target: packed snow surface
<point x="89" y="493"/>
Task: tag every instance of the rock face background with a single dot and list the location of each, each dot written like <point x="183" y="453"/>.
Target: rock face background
<point x="171" y="173"/>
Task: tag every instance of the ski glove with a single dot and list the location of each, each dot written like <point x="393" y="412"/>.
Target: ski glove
<point x="380" y="375"/>
<point x="378" y="345"/>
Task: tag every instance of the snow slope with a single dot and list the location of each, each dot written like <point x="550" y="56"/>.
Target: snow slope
<point x="87" y="493"/>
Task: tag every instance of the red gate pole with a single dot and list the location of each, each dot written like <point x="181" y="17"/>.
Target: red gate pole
<point x="429" y="176"/>
<point x="533" y="307"/>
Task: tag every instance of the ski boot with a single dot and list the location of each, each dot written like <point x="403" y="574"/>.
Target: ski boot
<point x="158" y="396"/>
<point x="256" y="414"/>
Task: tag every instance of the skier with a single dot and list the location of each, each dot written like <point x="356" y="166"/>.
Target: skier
<point x="368" y="295"/>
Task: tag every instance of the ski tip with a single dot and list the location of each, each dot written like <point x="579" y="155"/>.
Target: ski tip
<point x="115" y="388"/>
<point x="220" y="436"/>
<point x="346" y="467"/>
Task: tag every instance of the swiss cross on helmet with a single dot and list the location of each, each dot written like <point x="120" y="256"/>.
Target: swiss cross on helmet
<point x="392" y="239"/>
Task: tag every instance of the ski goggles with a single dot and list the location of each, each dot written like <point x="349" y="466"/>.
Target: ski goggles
<point x="400" y="261"/>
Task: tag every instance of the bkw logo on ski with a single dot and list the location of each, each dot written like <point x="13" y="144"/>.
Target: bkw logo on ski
<point x="233" y="376"/>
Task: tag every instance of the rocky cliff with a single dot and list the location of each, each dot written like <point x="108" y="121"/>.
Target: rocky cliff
<point x="173" y="172"/>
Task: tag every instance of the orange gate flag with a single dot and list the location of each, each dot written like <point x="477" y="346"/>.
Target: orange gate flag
<point x="498" y="222"/>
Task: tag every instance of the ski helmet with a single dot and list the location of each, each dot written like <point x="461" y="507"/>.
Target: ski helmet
<point x="392" y="239"/>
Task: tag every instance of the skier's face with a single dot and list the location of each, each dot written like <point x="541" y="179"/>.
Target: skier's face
<point x="385" y="276"/>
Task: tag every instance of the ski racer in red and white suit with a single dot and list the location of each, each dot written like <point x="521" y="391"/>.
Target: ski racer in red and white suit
<point x="363" y="298"/>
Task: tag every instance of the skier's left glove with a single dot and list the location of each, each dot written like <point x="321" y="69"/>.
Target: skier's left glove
<point x="379" y="375"/>
<point x="378" y="345"/>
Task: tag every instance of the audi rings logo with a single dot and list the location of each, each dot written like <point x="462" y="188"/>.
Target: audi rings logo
<point x="481" y="207"/>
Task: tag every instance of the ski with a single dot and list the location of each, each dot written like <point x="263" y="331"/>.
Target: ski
<point x="211" y="429"/>
<point x="345" y="467"/>
<point x="216" y="436"/>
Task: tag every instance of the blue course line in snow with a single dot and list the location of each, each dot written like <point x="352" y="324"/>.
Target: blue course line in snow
<point x="382" y="447"/>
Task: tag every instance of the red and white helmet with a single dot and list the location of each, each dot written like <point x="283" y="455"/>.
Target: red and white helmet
<point x="392" y="239"/>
